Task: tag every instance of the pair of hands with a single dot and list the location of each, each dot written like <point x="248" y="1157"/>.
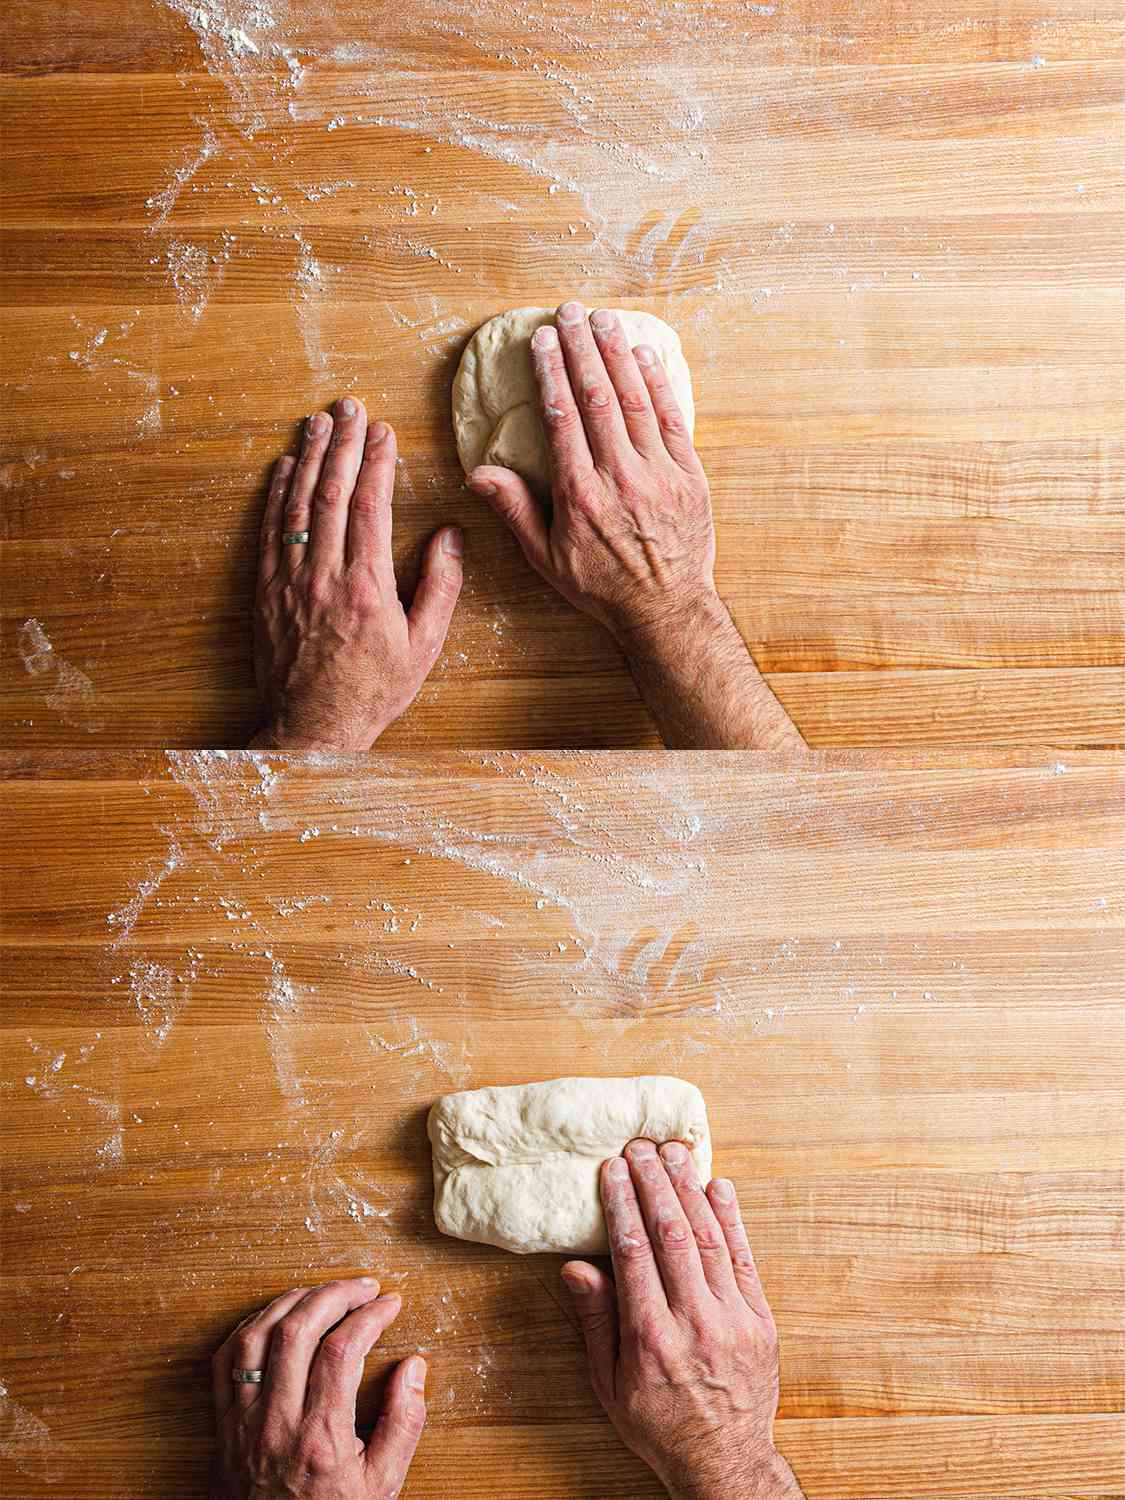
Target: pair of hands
<point x="681" y="1344"/>
<point x="629" y="539"/>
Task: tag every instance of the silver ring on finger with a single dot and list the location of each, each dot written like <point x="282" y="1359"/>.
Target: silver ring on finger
<point x="294" y="538"/>
<point x="247" y="1377"/>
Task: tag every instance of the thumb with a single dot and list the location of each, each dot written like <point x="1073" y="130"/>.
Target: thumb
<point x="439" y="586"/>
<point x="595" y="1305"/>
<point x="512" y="500"/>
<point x="392" y="1444"/>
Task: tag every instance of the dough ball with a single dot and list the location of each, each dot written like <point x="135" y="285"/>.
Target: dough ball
<point x="495" y="416"/>
<point x="518" y="1167"/>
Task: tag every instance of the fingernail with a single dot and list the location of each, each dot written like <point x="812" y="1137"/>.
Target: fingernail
<point x="317" y="423"/>
<point x="617" y="1167"/>
<point x="570" y="312"/>
<point x="644" y="355"/>
<point x="545" y="338"/>
<point x="602" y="320"/>
<point x="574" y="1279"/>
<point x="482" y="487"/>
<point x="723" y="1189"/>
<point x="415" y="1375"/>
<point x="643" y="1149"/>
<point x="347" y="407"/>
<point x="453" y="542"/>
<point x="675" y="1153"/>
<point x="369" y="1281"/>
<point x="376" y="432"/>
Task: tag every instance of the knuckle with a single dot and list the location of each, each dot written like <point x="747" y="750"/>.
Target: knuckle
<point x="274" y="1440"/>
<point x="313" y="1449"/>
<point x="360" y="592"/>
<point x="648" y="1331"/>
<point x="318" y="589"/>
<point x="337" y="1352"/>
<point x="290" y="1334"/>
<point x="405" y="1424"/>
<point x="634" y="403"/>
<point x="588" y="505"/>
<point x="595" y="397"/>
<point x="633" y="1248"/>
<point x="447" y="584"/>
<point x="580" y="496"/>
<point x="634" y="493"/>
<point x="571" y="490"/>
<point x="561" y="420"/>
<point x="595" y="1319"/>
<point x="511" y="507"/>
<point x="709" y="1239"/>
<point x="674" y="1234"/>
<point x="412" y="1417"/>
<point x="428" y="644"/>
<point x="241" y="1350"/>
<point x="366" y="500"/>
<point x="331" y="492"/>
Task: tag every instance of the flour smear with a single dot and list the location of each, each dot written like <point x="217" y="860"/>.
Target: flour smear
<point x="626" y="146"/>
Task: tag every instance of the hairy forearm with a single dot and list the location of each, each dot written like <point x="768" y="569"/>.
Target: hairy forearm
<point x="702" y="687"/>
<point x="767" y="1477"/>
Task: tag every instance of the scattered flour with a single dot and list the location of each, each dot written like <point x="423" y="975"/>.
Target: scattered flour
<point x="69" y="692"/>
<point x="125" y="917"/>
<point x="163" y="202"/>
<point x="193" y="275"/>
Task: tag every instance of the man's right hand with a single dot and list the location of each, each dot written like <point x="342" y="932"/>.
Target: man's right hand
<point x="629" y="537"/>
<point x="682" y="1345"/>
<point x="630" y="540"/>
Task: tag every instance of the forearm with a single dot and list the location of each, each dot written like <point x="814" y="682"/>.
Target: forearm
<point x="768" y="1477"/>
<point x="702" y="687"/>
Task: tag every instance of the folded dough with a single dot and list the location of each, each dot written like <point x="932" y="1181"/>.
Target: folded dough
<point x="518" y="1167"/>
<point x="495" y="416"/>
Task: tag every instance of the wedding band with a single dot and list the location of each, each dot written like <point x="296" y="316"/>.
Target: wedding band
<point x="247" y="1377"/>
<point x="294" y="538"/>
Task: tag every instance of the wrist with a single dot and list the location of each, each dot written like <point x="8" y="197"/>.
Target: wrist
<point x="672" y="630"/>
<point x="759" y="1475"/>
<point x="297" y="741"/>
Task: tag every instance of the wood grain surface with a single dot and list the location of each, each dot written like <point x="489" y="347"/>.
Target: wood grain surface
<point x="234" y="985"/>
<point x="891" y="237"/>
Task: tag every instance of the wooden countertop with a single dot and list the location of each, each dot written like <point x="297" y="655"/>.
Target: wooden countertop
<point x="890" y="236"/>
<point x="235" y="985"/>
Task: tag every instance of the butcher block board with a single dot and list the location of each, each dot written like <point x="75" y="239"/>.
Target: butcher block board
<point x="235" y="985"/>
<point x="891" y="238"/>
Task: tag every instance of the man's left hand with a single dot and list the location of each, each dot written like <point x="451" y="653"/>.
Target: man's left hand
<point x="293" y="1434"/>
<point x="336" y="655"/>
